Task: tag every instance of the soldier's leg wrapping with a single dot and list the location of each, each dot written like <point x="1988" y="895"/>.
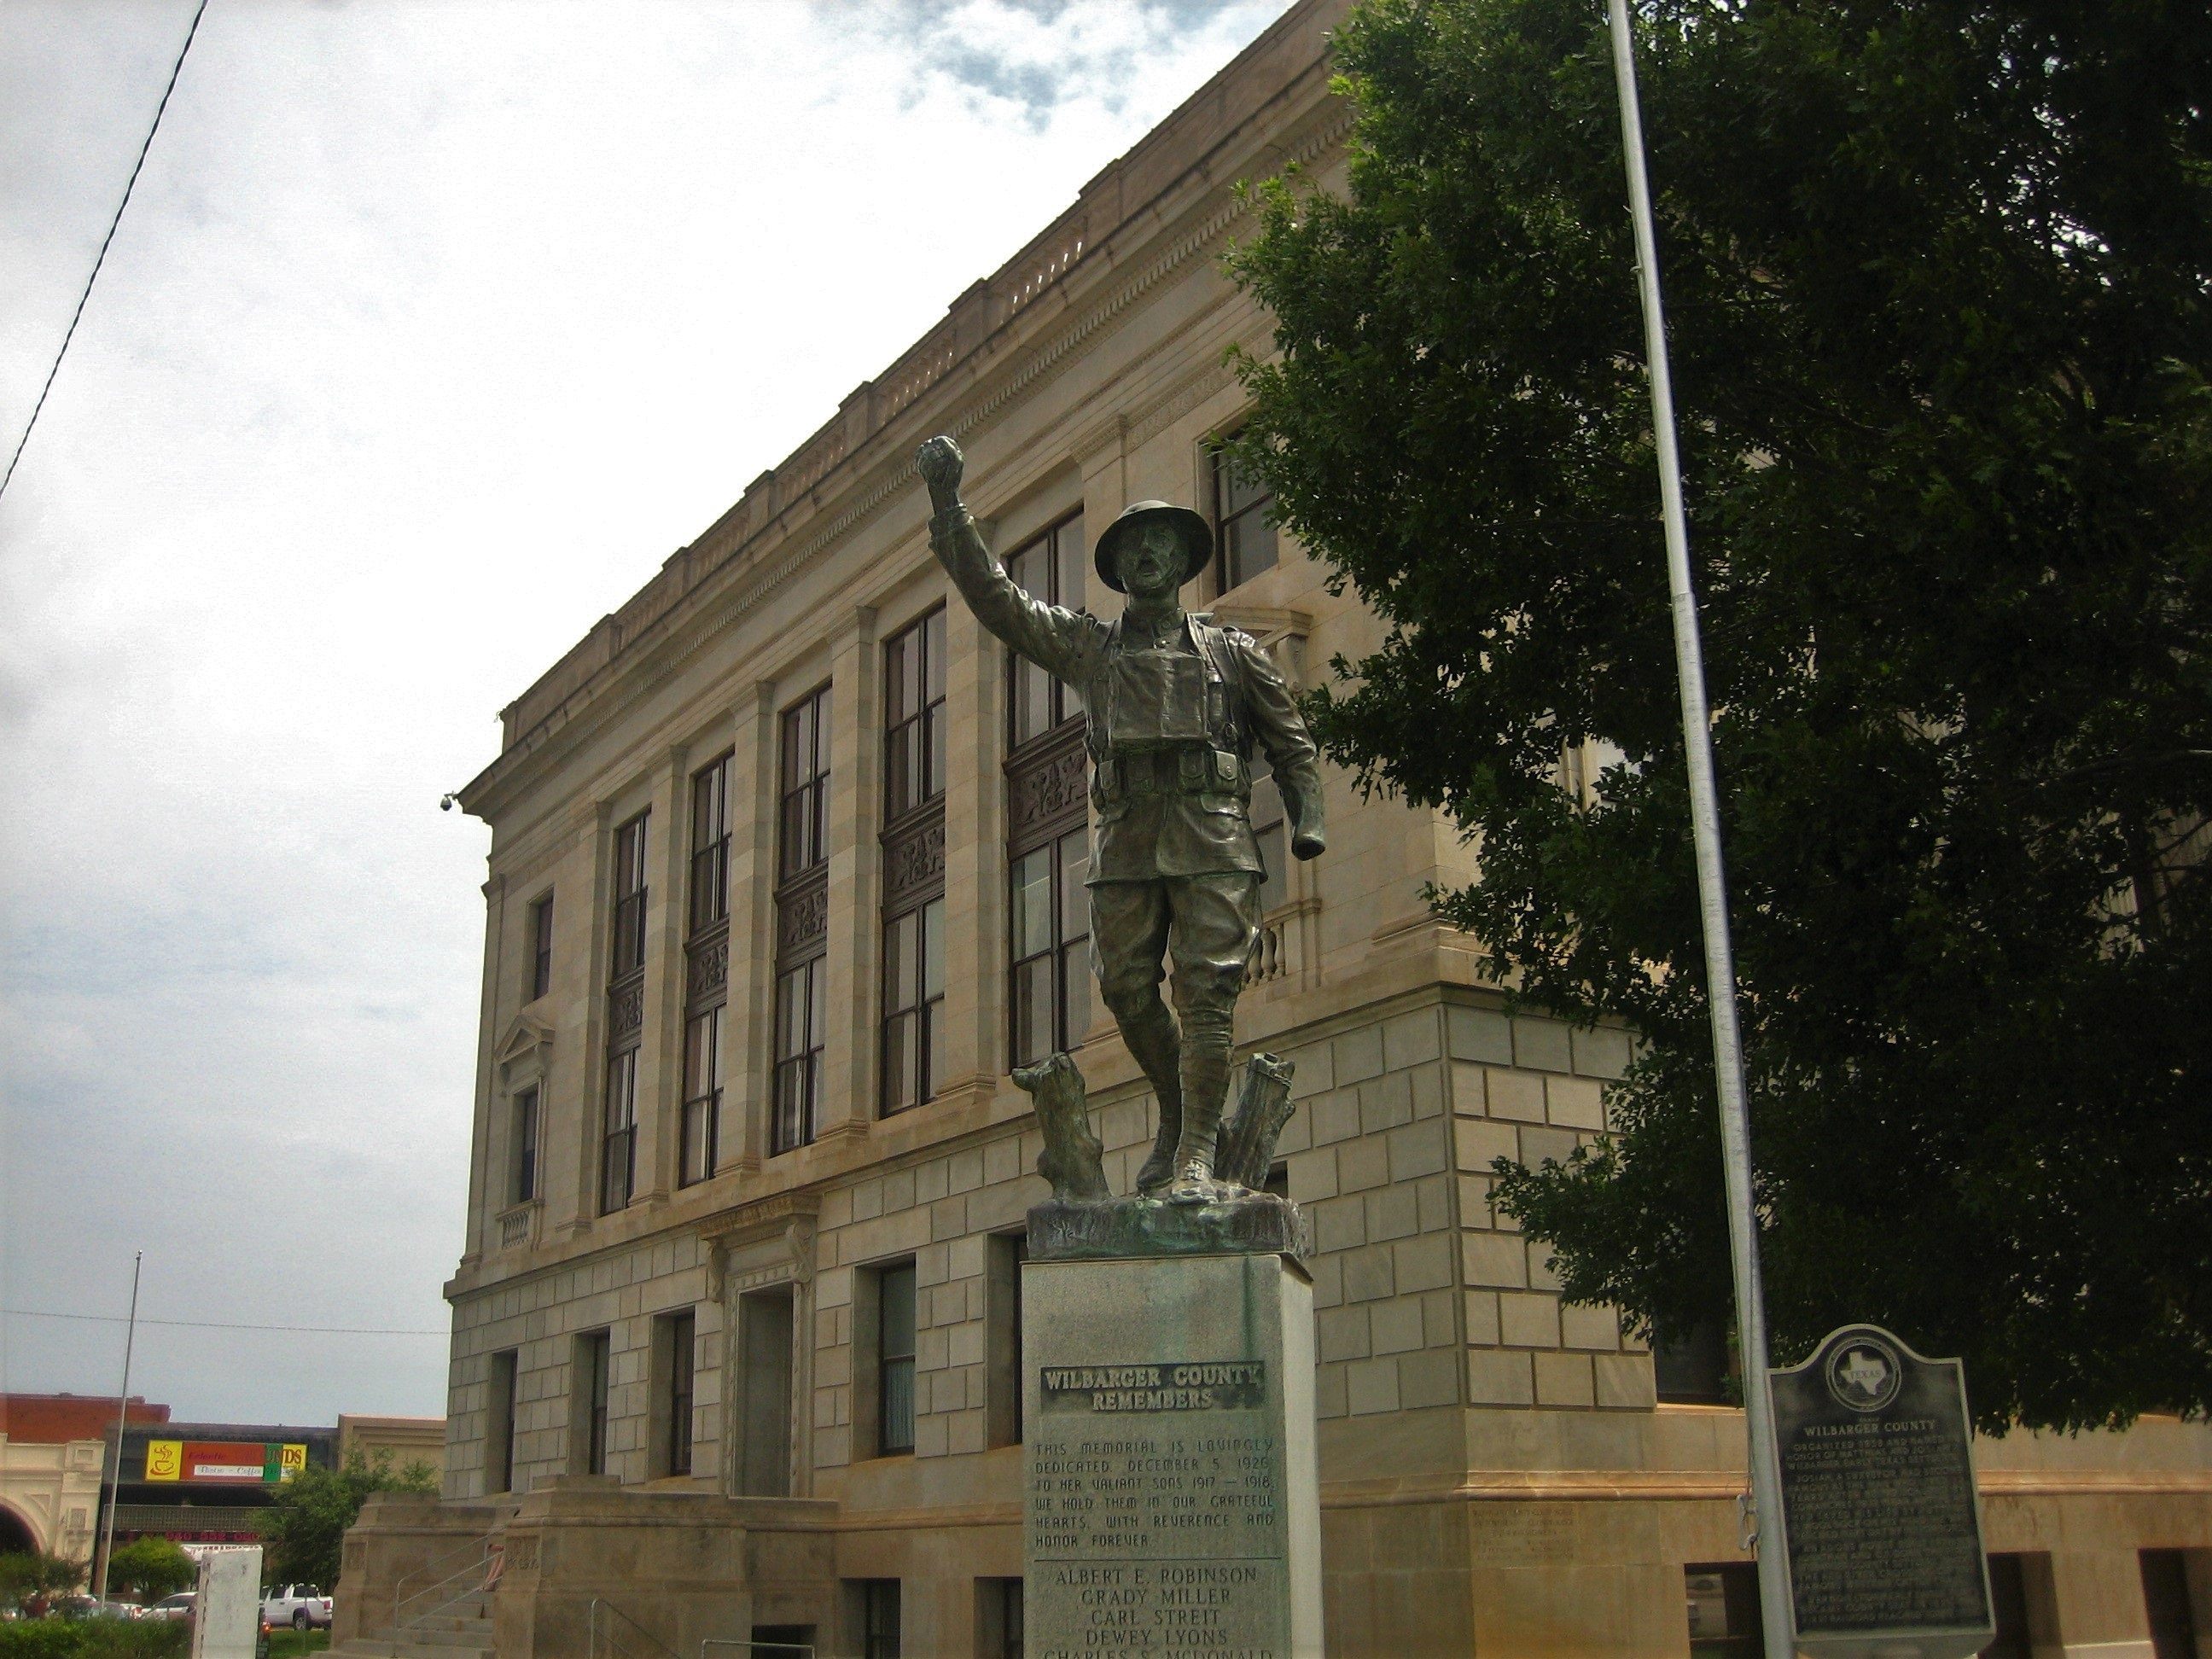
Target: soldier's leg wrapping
<point x="1216" y="920"/>
<point x="1128" y="937"/>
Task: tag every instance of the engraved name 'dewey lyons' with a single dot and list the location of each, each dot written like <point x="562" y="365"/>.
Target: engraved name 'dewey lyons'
<point x="1217" y="1385"/>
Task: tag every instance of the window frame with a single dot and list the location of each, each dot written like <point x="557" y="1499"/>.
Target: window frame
<point x="895" y="1359"/>
<point x="503" y="1394"/>
<point x="591" y="1389"/>
<point x="629" y="892"/>
<point x="709" y="903"/>
<point x="699" y="1116"/>
<point x="541" y="947"/>
<point x="802" y="919"/>
<point x="920" y="731"/>
<point x="524" y="1122"/>
<point x="1066" y="952"/>
<point x="1063" y="549"/>
<point x="1231" y="517"/>
<point x="677" y="1339"/>
<point x="619" y="1113"/>
<point x="910" y="1004"/>
<point x="1047" y="804"/>
<point x="803" y="782"/>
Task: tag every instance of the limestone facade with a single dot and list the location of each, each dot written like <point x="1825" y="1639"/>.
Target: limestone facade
<point x="1498" y="1474"/>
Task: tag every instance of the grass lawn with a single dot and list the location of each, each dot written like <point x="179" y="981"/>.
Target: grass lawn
<point x="296" y="1643"/>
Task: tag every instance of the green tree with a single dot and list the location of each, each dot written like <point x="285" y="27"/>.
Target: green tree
<point x="1937" y="279"/>
<point x="307" y="1525"/>
<point x="29" y="1581"/>
<point x="148" y="1569"/>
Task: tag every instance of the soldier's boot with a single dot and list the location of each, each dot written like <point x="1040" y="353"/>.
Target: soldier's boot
<point x="1206" y="1042"/>
<point x="1153" y="1041"/>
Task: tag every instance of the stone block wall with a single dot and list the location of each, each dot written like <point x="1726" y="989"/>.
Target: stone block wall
<point x="1528" y="1089"/>
<point x="539" y="1319"/>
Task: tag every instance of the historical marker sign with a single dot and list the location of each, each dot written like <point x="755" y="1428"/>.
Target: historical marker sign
<point x="1883" y="1532"/>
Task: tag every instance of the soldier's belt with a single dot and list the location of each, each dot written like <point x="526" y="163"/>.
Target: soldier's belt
<point x="1192" y="770"/>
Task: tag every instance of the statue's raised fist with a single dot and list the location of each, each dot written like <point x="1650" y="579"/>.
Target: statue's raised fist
<point x="940" y="463"/>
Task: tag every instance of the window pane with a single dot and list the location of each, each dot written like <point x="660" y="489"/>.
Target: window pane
<point x="1274" y="886"/>
<point x="932" y="647"/>
<point x="1074" y="898"/>
<point x="933" y="949"/>
<point x="899" y="1059"/>
<point x="898" y="1406"/>
<point x="1068" y="541"/>
<point x="791" y="1014"/>
<point x="934" y="748"/>
<point x="1032" y="899"/>
<point x="1033" y="1031"/>
<point x="702" y="1058"/>
<point x="694" y="1150"/>
<point x="899" y="953"/>
<point x="615" y="1175"/>
<point x="897" y="1306"/>
<point x="1075" y="994"/>
<point x="1032" y="701"/>
<point x="931" y="1046"/>
<point x="1250" y="546"/>
<point x="622" y="1090"/>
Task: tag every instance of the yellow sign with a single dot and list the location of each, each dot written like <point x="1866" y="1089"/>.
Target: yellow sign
<point x="294" y="1460"/>
<point x="165" y="1459"/>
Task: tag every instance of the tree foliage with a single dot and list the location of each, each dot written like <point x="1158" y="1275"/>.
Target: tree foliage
<point x="1940" y="290"/>
<point x="30" y="1580"/>
<point x="306" y="1528"/>
<point x="148" y="1569"/>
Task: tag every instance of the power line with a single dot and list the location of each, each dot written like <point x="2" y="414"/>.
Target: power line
<point x="176" y="70"/>
<point x="211" y="1325"/>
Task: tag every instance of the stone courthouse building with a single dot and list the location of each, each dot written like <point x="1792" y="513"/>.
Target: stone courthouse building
<point x="785" y="876"/>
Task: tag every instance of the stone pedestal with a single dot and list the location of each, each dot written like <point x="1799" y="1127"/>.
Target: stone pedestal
<point x="1172" y="1503"/>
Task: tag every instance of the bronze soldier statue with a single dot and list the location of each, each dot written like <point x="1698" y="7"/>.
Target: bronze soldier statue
<point x="1175" y="707"/>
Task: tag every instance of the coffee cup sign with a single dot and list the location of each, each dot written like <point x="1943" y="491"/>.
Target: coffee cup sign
<point x="1879" y="1519"/>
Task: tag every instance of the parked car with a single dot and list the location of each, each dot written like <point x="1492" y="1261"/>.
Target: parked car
<point x="85" y="1607"/>
<point x="179" y="1606"/>
<point x="300" y="1606"/>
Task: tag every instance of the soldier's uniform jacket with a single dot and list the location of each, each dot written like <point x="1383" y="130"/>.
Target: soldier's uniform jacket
<point x="1172" y="722"/>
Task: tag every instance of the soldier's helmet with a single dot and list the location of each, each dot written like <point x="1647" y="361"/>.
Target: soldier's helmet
<point x="1196" y="534"/>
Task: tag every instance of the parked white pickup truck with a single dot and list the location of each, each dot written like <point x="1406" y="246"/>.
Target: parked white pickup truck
<point x="300" y="1606"/>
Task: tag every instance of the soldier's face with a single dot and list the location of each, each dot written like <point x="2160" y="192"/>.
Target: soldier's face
<point x="1150" y="564"/>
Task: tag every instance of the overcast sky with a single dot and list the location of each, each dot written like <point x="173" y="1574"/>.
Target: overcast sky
<point x="432" y="330"/>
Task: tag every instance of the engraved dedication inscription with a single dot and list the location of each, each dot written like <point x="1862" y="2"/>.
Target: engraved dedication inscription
<point x="1155" y="1513"/>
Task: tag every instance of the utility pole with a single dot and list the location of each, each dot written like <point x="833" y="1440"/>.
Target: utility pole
<point x="1712" y="880"/>
<point x="122" y="1413"/>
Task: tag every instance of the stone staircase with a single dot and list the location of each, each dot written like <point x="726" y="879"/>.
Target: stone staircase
<point x="462" y="1629"/>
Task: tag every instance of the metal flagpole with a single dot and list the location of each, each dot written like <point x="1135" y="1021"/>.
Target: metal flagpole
<point x="1712" y="881"/>
<point x="122" y="1412"/>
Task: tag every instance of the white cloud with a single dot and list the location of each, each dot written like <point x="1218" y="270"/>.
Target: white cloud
<point x="432" y="330"/>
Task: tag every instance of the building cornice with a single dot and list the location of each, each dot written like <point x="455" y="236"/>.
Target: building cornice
<point x="1006" y="338"/>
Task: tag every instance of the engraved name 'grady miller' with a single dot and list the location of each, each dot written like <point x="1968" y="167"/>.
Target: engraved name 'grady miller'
<point x="1218" y="1385"/>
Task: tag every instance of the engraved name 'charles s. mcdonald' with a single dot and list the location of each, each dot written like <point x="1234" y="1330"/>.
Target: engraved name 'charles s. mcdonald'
<point x="1175" y="707"/>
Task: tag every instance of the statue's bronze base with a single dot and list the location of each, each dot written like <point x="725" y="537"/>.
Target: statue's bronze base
<point x="1255" y="1224"/>
<point x="1082" y="1218"/>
